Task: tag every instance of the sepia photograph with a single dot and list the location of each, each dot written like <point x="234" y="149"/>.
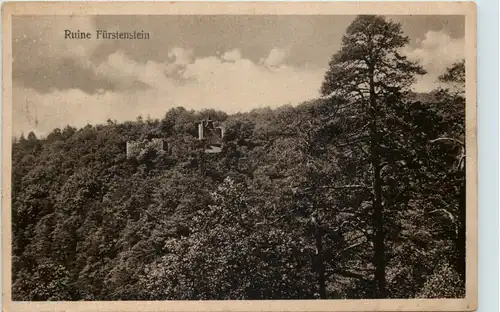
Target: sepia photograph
<point x="189" y="155"/>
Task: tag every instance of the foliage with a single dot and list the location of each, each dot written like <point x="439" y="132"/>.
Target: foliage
<point x="286" y="210"/>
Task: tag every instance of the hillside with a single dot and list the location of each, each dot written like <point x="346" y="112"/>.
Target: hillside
<point x="281" y="212"/>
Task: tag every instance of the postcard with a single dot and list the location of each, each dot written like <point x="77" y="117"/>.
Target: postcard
<point x="239" y="156"/>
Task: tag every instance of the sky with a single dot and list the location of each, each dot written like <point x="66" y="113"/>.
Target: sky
<point x="231" y="63"/>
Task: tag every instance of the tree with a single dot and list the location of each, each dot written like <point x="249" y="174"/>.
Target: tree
<point x="369" y="71"/>
<point x="300" y="203"/>
<point x="454" y="111"/>
<point x="455" y="74"/>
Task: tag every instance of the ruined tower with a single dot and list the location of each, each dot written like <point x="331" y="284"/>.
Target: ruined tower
<point x="212" y="134"/>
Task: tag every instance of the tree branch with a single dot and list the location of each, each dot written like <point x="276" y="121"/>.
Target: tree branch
<point x="448" y="139"/>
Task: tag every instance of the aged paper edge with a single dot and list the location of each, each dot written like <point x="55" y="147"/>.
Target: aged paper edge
<point x="469" y="303"/>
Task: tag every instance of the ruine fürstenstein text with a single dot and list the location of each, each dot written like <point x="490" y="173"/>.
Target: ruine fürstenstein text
<point x="107" y="35"/>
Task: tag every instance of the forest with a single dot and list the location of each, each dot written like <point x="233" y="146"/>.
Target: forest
<point x="357" y="194"/>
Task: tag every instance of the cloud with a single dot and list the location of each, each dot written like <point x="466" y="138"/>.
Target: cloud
<point x="42" y="113"/>
<point x="205" y="82"/>
<point x="123" y="70"/>
<point x="232" y="55"/>
<point x="45" y="60"/>
<point x="181" y="56"/>
<point x="227" y="81"/>
<point x="275" y="58"/>
<point x="435" y="52"/>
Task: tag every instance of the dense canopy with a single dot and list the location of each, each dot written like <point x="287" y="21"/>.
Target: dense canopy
<point x="360" y="194"/>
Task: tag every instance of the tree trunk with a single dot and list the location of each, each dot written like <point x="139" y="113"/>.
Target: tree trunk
<point x="378" y="213"/>
<point x="320" y="265"/>
<point x="378" y="237"/>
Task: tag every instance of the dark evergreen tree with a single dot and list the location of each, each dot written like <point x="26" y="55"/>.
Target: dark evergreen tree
<point x="370" y="72"/>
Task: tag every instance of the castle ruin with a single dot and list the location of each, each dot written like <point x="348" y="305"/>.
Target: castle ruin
<point x="212" y="134"/>
<point x="209" y="132"/>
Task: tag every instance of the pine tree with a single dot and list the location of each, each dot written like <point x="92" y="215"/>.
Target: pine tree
<point x="370" y="71"/>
